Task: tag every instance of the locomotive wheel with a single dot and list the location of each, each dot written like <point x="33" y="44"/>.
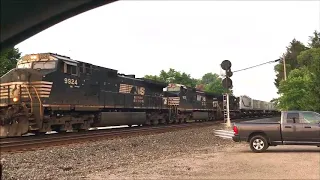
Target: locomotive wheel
<point x="154" y="122"/>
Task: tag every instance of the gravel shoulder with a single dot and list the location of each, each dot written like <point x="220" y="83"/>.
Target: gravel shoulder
<point x="186" y="154"/>
<point x="76" y="161"/>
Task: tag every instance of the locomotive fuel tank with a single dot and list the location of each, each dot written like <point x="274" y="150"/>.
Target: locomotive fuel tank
<point x="121" y="118"/>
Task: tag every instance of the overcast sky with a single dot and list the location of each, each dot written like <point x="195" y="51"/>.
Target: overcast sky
<point x="139" y="37"/>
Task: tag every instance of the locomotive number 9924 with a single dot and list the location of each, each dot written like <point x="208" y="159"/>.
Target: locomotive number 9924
<point x="70" y="81"/>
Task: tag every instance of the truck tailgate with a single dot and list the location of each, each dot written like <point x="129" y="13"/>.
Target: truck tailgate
<point x="271" y="129"/>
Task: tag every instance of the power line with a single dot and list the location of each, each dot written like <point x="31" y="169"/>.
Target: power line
<point x="257" y="65"/>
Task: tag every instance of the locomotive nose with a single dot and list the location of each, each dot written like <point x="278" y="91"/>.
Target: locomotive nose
<point x="21" y="75"/>
<point x="12" y="82"/>
<point x="15" y="93"/>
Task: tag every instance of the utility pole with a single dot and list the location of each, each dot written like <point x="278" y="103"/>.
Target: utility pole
<point x="284" y="67"/>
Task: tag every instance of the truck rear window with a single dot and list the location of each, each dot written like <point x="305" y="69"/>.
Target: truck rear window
<point x="293" y="118"/>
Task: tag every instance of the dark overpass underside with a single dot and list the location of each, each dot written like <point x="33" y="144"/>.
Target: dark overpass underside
<point x="21" y="19"/>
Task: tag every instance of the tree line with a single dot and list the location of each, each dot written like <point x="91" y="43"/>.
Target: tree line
<point x="301" y="89"/>
<point x="210" y="82"/>
<point x="8" y="59"/>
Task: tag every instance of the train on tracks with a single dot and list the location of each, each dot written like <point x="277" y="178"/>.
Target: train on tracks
<point x="52" y="92"/>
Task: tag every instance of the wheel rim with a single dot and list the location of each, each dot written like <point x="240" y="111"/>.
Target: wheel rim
<point x="258" y="144"/>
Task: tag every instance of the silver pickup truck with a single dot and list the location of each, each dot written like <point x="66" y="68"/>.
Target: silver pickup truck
<point x="291" y="128"/>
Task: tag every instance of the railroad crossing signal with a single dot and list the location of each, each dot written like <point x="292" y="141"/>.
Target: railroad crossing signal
<point x="225" y="65"/>
<point x="227" y="82"/>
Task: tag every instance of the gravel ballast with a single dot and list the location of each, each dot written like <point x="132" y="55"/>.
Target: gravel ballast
<point x="76" y="161"/>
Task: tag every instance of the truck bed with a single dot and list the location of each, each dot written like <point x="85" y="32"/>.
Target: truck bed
<point x="265" y="120"/>
<point x="270" y="127"/>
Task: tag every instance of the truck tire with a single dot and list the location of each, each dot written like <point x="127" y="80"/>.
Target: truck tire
<point x="258" y="144"/>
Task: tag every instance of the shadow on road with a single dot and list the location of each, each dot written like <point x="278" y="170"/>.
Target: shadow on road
<point x="287" y="151"/>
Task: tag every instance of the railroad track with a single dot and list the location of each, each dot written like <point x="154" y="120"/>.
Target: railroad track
<point x="39" y="142"/>
<point x="27" y="143"/>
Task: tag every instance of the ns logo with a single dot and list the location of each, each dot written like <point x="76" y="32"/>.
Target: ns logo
<point x="126" y="88"/>
<point x="138" y="94"/>
<point x="138" y="90"/>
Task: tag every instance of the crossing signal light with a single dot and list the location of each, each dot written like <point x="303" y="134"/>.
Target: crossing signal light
<point x="225" y="65"/>
<point x="227" y="82"/>
<point x="229" y="73"/>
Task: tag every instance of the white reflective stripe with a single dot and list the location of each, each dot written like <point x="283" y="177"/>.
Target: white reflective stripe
<point x="225" y="137"/>
<point x="224" y="134"/>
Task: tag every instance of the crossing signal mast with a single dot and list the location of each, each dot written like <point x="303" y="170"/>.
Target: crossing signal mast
<point x="226" y="83"/>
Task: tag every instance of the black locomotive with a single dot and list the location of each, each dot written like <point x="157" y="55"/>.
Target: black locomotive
<point x="51" y="92"/>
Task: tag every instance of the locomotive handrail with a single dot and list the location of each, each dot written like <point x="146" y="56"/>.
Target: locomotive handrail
<point x="39" y="100"/>
<point x="8" y="94"/>
<point x="30" y="98"/>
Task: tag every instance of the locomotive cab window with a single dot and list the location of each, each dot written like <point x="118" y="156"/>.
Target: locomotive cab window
<point x="37" y="65"/>
<point x="81" y="68"/>
<point x="70" y="68"/>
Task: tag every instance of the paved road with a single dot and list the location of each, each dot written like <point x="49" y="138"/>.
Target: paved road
<point x="235" y="162"/>
<point x="282" y="162"/>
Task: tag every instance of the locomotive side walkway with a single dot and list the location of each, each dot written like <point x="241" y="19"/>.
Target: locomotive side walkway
<point x="187" y="154"/>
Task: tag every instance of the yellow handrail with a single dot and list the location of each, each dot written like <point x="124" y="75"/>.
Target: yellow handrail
<point x="35" y="90"/>
<point x="30" y="98"/>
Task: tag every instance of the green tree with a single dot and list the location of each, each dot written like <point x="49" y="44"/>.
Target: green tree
<point x="212" y="83"/>
<point x="153" y="77"/>
<point x="301" y="90"/>
<point x="314" y="40"/>
<point x="173" y="76"/>
<point x="275" y="102"/>
<point x="310" y="59"/>
<point x="8" y="59"/>
<point x="295" y="91"/>
<point x="209" y="82"/>
<point x="293" y="50"/>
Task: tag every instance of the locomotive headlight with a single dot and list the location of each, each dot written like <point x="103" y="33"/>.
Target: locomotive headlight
<point x="34" y="57"/>
<point x="15" y="94"/>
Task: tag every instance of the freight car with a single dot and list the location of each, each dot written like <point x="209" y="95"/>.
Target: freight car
<point x="249" y="107"/>
<point x="51" y="92"/>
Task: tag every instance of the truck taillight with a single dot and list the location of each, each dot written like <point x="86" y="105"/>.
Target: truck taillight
<point x="235" y="130"/>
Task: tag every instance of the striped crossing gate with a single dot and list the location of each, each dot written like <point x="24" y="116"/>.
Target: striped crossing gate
<point x="225" y="134"/>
